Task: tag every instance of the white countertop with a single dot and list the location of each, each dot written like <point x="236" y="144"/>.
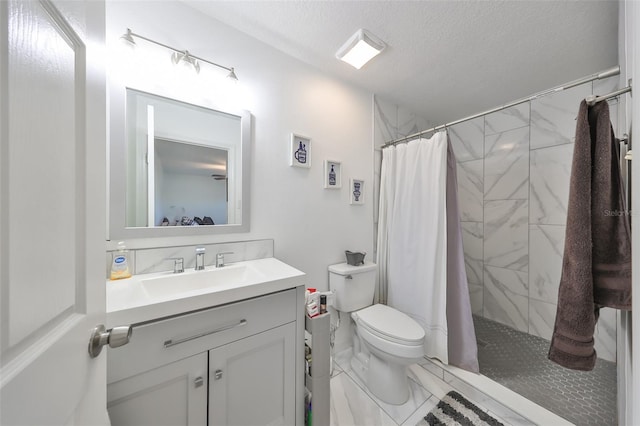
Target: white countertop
<point x="129" y="302"/>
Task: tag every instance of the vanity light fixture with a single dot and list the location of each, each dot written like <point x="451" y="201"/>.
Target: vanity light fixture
<point x="178" y="56"/>
<point x="360" y="48"/>
<point x="187" y="58"/>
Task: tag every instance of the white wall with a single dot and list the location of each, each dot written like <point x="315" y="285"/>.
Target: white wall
<point x="311" y="226"/>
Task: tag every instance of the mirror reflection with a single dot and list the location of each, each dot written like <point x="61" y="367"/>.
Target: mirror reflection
<point x="203" y="170"/>
<point x="183" y="164"/>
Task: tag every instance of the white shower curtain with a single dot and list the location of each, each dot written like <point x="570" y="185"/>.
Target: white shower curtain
<point x="412" y="236"/>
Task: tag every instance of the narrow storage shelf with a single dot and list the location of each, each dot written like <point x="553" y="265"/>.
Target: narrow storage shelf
<point x="318" y="382"/>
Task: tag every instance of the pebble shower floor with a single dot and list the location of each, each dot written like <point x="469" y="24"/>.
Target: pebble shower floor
<point x="519" y="361"/>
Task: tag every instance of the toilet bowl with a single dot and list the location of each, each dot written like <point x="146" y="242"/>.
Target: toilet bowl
<point x="394" y="341"/>
<point x="386" y="341"/>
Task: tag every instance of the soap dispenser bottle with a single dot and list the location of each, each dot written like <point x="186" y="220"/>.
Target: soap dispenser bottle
<point x="120" y="264"/>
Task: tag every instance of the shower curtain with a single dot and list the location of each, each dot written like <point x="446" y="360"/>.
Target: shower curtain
<point x="412" y="231"/>
<point x="420" y="259"/>
<point x="463" y="349"/>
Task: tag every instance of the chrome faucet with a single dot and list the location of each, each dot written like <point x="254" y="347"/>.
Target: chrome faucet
<point x="178" y="264"/>
<point x="200" y="258"/>
<point x="220" y="258"/>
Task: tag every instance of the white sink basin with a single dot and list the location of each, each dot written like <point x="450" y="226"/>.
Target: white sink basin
<point x="147" y="297"/>
<point x="188" y="281"/>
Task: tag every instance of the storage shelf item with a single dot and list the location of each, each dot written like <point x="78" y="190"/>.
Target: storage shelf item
<point x="318" y="382"/>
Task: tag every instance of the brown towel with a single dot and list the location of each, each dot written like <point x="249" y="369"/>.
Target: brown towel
<point x="596" y="268"/>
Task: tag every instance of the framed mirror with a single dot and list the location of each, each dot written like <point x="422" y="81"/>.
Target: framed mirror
<point x="179" y="169"/>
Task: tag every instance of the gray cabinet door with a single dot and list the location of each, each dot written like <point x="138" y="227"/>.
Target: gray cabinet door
<point x="252" y="381"/>
<point x="174" y="394"/>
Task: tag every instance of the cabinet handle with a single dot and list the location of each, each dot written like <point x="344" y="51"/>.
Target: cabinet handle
<point x="171" y="342"/>
<point x="217" y="375"/>
<point x="199" y="381"/>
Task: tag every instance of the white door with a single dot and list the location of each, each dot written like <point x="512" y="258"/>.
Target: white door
<point x="52" y="216"/>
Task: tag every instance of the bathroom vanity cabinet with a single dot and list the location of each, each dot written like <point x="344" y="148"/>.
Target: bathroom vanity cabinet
<point x="173" y="394"/>
<point x="231" y="364"/>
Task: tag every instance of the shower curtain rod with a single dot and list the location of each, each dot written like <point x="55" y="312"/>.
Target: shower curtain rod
<point x="598" y="76"/>
<point x="593" y="99"/>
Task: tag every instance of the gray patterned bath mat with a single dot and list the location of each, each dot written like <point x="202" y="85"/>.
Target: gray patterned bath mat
<point x="455" y="409"/>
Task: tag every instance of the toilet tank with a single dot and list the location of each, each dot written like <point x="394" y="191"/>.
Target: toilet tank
<point x="354" y="286"/>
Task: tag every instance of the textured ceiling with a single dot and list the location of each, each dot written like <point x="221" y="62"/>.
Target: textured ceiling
<point x="444" y="59"/>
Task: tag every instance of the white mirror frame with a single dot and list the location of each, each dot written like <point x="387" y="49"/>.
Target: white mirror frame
<point x="117" y="177"/>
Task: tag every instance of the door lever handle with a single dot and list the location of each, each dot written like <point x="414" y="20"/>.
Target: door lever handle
<point x="116" y="337"/>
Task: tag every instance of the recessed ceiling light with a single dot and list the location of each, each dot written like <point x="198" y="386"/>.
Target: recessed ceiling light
<point x="360" y="49"/>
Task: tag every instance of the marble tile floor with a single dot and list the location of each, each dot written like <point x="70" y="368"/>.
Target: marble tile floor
<point x="353" y="404"/>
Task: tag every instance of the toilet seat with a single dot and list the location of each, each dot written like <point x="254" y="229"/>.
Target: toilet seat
<point x="390" y="324"/>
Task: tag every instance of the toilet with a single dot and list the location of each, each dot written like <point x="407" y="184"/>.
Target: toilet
<point x="386" y="341"/>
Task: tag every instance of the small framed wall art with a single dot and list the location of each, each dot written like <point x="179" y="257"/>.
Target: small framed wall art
<point x="356" y="187"/>
<point x="332" y="174"/>
<point x="300" y="151"/>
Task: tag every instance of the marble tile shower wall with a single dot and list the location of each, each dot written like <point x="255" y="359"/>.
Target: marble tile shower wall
<point x="513" y="181"/>
<point x="390" y="122"/>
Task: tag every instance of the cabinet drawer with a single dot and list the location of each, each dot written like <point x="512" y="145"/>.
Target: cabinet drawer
<point x="160" y="342"/>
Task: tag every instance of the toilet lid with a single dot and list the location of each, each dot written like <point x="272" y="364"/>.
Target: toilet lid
<point x="389" y="322"/>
